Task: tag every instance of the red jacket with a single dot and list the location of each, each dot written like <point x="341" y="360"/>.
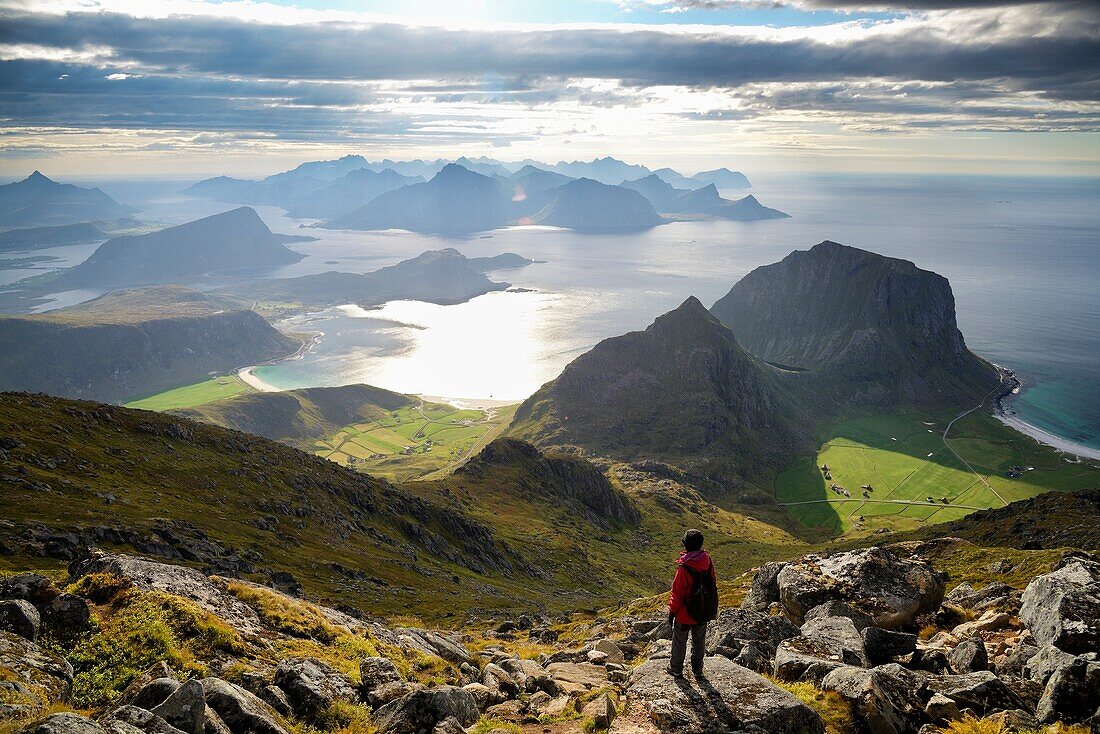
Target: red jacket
<point x="683" y="582"/>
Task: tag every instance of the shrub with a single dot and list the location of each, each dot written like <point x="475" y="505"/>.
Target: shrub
<point x="290" y="616"/>
<point x="485" y="725"/>
<point x="100" y="588"/>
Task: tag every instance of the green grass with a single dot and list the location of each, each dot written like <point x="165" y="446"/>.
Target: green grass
<point x="189" y="396"/>
<point x="379" y="447"/>
<point x="904" y="459"/>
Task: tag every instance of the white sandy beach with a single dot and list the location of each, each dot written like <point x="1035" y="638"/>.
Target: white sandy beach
<point x="1048" y="438"/>
<point x="247" y="377"/>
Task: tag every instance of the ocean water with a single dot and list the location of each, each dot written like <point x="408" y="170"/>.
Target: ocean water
<point x="1022" y="255"/>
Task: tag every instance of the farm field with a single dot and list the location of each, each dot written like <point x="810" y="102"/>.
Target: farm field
<point x="197" y="393"/>
<point x="414" y="442"/>
<point x="914" y="477"/>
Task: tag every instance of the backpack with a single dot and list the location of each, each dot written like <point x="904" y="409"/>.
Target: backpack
<point x="702" y="603"/>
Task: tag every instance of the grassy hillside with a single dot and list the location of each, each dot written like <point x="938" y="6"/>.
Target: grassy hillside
<point x="197" y="393"/>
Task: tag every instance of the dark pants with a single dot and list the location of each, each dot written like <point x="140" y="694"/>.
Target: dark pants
<point x="680" y="633"/>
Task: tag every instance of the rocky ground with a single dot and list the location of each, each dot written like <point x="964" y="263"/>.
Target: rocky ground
<point x="858" y="641"/>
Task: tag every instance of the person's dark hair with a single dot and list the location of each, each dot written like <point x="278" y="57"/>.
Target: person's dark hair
<point x="693" y="540"/>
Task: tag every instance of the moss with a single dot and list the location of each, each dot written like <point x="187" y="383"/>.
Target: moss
<point x="485" y="725"/>
<point x="100" y="588"/>
<point x="139" y="629"/>
<point x="835" y="711"/>
<point x="290" y="616"/>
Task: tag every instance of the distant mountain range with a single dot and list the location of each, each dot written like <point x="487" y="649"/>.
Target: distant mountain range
<point x="704" y="200"/>
<point x="33" y="238"/>
<point x="38" y="201"/>
<point x="132" y="343"/>
<point x="819" y="335"/>
<point x="230" y="242"/>
<point x="354" y="193"/>
<point x="438" y="276"/>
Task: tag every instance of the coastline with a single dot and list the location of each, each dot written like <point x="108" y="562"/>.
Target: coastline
<point x="1047" y="438"/>
<point x="246" y="376"/>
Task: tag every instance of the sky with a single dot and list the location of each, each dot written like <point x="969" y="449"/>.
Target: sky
<point x="186" y="88"/>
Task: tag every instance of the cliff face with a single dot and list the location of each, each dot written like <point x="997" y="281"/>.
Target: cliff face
<point x="116" y="361"/>
<point x="683" y="390"/>
<point x="882" y="325"/>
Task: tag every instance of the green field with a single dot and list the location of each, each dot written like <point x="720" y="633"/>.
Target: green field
<point x="414" y="442"/>
<point x="914" y="476"/>
<point x="189" y="396"/>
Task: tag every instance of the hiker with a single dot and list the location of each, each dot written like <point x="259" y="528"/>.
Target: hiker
<point x="692" y="603"/>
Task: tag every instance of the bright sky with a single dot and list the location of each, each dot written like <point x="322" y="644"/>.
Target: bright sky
<point x="189" y="88"/>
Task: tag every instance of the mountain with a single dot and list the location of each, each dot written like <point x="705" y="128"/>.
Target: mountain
<point x="39" y="201"/>
<point x="683" y="391"/>
<point x="882" y="325"/>
<point x="591" y="205"/>
<point x="131" y="343"/>
<point x="659" y="192"/>
<point x="723" y="178"/>
<point x="531" y="180"/>
<point x="747" y="209"/>
<point x="675" y="178"/>
<point x="483" y="166"/>
<point x="349" y="192"/>
<point x="35" y="238"/>
<point x="606" y="170"/>
<point x="455" y="200"/>
<point x="436" y="276"/>
<point x="224" y="188"/>
<point x="233" y="241"/>
<point x="297" y="417"/>
<point x="321" y="170"/>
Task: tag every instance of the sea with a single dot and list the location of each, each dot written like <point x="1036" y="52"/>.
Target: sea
<point x="1022" y="255"/>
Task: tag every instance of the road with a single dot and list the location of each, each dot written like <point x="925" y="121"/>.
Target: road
<point x="863" y="501"/>
<point x="1000" y="386"/>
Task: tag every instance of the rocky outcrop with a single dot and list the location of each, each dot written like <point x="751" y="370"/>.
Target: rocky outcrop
<point x="34" y="678"/>
<point x="423" y="710"/>
<point x="1062" y="608"/>
<point x="885" y="700"/>
<point x="312" y="686"/>
<point x="727" y="698"/>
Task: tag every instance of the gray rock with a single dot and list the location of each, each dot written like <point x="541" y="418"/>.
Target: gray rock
<point x="995" y="595"/>
<point x="1015" y="660"/>
<point x="155" y="671"/>
<point x="19" y="617"/>
<point x="1062" y="608"/>
<point x="185" y="709"/>
<point x="214" y="724"/>
<point x="883" y="645"/>
<point x="601" y="710"/>
<point x="734" y="627"/>
<point x="765" y="588"/>
<point x="140" y="720"/>
<point x="481" y="693"/>
<point x="500" y="682"/>
<point x="892" y="590"/>
<point x="41" y="677"/>
<point x="450" y="725"/>
<point x="941" y="709"/>
<point x="32" y="587"/>
<point x="447" y="646"/>
<point x="826" y="643"/>
<point x="1045" y="662"/>
<point x="66" y="615"/>
<point x="65" y="723"/>
<point x="375" y="672"/>
<point x="969" y="656"/>
<point x="728" y="698"/>
<point x="613" y="652"/>
<point x="276" y="698"/>
<point x="424" y="709"/>
<point x="981" y="692"/>
<point x="239" y="709"/>
<point x="885" y="700"/>
<point x="929" y="660"/>
<point x="531" y="677"/>
<point x="839" y="609"/>
<point x="154" y="693"/>
<point x="312" y="685"/>
<point x="1014" y="721"/>
<point x="1072" y="694"/>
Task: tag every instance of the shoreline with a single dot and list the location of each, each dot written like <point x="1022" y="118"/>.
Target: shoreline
<point x="1047" y="438"/>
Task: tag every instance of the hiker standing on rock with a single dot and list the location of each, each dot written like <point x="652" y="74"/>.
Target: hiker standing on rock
<point x="692" y="603"/>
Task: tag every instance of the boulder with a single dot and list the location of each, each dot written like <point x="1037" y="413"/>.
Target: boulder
<point x="601" y="710"/>
<point x="892" y="590"/>
<point x="995" y="595"/>
<point x="483" y="696"/>
<point x="276" y="698"/>
<point x="1072" y="693"/>
<point x="65" y="723"/>
<point x="530" y="676"/>
<point x="835" y="608"/>
<point x="941" y="709"/>
<point x="499" y="682"/>
<point x="450" y="725"/>
<point x="1017" y="720"/>
<point x="422" y="710"/>
<point x="969" y="656"/>
<point x="154" y="693"/>
<point x="127" y="718"/>
<point x="214" y="724"/>
<point x="734" y="627"/>
<point x="19" y="617"/>
<point x="1014" y="662"/>
<point x="883" y="645"/>
<point x="765" y="588"/>
<point x="155" y="671"/>
<point x="447" y="646"/>
<point x="988" y="622"/>
<point x="1045" y="662"/>
<point x="826" y="643"/>
<point x="612" y="652"/>
<point x="981" y="692"/>
<point x="312" y="685"/>
<point x="66" y="615"/>
<point x="1062" y="608"/>
<point x="728" y="698"/>
<point x="885" y="700"/>
<point x="32" y="587"/>
<point x="576" y="678"/>
<point x="185" y="709"/>
<point x="239" y="709"/>
<point x="36" y="676"/>
<point x="377" y="671"/>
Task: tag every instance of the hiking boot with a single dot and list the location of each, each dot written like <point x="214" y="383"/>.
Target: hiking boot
<point x="697" y="671"/>
<point x="674" y="674"/>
